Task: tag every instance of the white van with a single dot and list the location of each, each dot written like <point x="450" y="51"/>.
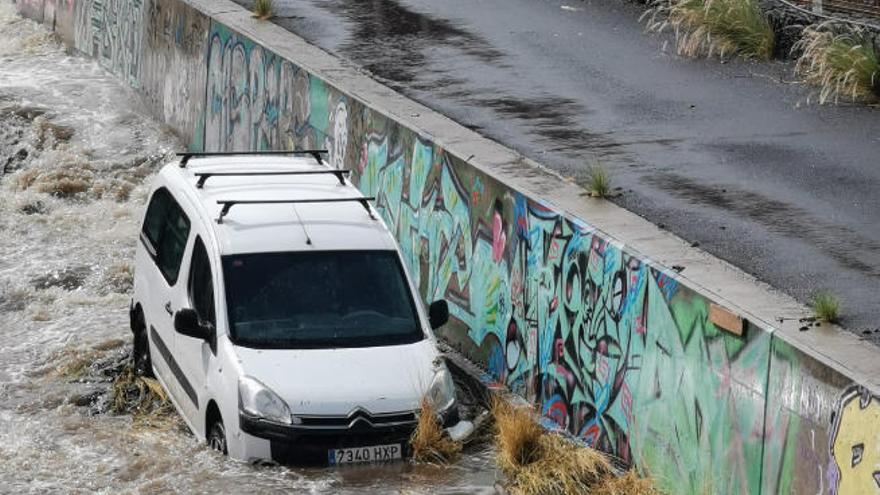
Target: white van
<point x="272" y="304"/>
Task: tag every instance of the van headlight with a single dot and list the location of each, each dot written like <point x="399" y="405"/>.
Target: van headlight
<point x="256" y="399"/>
<point x="441" y="393"/>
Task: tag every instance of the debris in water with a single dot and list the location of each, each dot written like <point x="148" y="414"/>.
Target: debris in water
<point x="540" y="462"/>
<point x="143" y="398"/>
<point x="35" y="207"/>
<point x="70" y="278"/>
<point x="13" y="300"/>
<point x="119" y="278"/>
<point x="628" y="484"/>
<point x="74" y="363"/>
<point x="429" y="441"/>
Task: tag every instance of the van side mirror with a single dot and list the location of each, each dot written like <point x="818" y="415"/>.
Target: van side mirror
<point x="186" y="322"/>
<point x="438" y="313"/>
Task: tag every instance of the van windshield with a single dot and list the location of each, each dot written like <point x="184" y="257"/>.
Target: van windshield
<point x="319" y="300"/>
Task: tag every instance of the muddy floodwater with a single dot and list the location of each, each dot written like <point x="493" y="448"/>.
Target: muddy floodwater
<point x="77" y="152"/>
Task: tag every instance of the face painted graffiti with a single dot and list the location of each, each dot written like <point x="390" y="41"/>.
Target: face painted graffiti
<point x="855" y="443"/>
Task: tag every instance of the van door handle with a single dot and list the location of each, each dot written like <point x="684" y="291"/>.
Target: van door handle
<point x="168" y="308"/>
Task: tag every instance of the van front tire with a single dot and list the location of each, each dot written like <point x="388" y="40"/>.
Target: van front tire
<point x="217" y="437"/>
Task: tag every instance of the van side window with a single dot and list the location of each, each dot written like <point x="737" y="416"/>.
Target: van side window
<point x="201" y="285"/>
<point x="165" y="231"/>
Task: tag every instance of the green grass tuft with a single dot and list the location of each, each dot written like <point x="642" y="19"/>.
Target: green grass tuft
<point x="715" y="27"/>
<point x="826" y="307"/>
<point x="844" y="64"/>
<point x="263" y="9"/>
<point x="600" y="182"/>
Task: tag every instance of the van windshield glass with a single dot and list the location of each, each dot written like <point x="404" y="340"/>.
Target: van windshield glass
<point x="319" y="300"/>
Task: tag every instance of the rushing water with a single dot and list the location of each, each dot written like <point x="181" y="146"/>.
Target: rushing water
<point x="77" y="151"/>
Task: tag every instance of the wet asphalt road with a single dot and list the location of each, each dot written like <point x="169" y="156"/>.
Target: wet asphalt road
<point x="730" y="156"/>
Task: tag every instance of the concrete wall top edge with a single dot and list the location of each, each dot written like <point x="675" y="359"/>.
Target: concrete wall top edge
<point x="714" y="278"/>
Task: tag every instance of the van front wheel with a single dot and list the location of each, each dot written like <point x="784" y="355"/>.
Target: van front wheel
<point x="217" y="437"/>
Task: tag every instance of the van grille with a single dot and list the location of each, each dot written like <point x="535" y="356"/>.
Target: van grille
<point x="358" y="417"/>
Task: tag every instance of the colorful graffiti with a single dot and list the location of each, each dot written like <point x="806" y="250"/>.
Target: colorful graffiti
<point x="256" y="100"/>
<point x="112" y="31"/>
<point x="174" y="72"/>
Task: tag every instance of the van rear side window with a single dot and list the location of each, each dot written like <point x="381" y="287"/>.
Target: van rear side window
<point x="165" y="231"/>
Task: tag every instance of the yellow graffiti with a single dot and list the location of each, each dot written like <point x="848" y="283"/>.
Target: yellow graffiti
<point x="856" y="444"/>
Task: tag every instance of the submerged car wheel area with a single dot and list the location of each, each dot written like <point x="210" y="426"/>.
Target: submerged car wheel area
<point x="272" y="304"/>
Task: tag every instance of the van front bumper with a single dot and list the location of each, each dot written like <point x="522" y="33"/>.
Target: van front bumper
<point x="310" y="444"/>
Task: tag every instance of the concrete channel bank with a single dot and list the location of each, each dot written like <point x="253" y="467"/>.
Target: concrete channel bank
<point x="621" y="333"/>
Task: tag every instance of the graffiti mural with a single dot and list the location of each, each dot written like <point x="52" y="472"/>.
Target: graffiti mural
<point x="174" y="72"/>
<point x="855" y="443"/>
<point x="112" y="31"/>
<point x="256" y="100"/>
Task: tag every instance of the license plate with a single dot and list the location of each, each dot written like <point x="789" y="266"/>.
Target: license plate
<point x="374" y="453"/>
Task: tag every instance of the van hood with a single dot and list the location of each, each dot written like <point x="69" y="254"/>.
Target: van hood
<point x="336" y="381"/>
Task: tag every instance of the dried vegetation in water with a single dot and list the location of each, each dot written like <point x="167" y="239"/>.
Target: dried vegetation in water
<point x="429" y="442"/>
<point x="537" y="462"/>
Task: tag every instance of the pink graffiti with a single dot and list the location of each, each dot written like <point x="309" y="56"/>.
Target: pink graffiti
<point x="641" y="329"/>
<point x="626" y="403"/>
<point x="516" y="288"/>
<point x="499" y="238"/>
<point x="362" y="163"/>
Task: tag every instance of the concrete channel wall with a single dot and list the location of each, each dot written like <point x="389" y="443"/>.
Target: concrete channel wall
<point x="567" y="300"/>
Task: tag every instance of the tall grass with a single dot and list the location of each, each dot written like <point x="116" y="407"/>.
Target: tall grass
<point x="845" y="64"/>
<point x="263" y="9"/>
<point x="537" y="462"/>
<point x="714" y="27"/>
<point x="826" y="307"/>
<point x="600" y="182"/>
<point x="428" y="441"/>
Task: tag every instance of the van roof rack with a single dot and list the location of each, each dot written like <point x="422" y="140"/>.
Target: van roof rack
<point x="185" y="156"/>
<point x="204" y="176"/>
<point x="229" y="203"/>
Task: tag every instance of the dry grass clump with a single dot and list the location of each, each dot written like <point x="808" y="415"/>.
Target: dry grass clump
<point x="518" y="437"/>
<point x="263" y="9"/>
<point x="116" y="189"/>
<point x="428" y="441"/>
<point x="715" y="27"/>
<point x="826" y="307"/>
<point x="537" y="462"/>
<point x="61" y="182"/>
<point x="75" y="363"/>
<point x="119" y="278"/>
<point x="844" y="64"/>
<point x="628" y="484"/>
<point x="140" y="396"/>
